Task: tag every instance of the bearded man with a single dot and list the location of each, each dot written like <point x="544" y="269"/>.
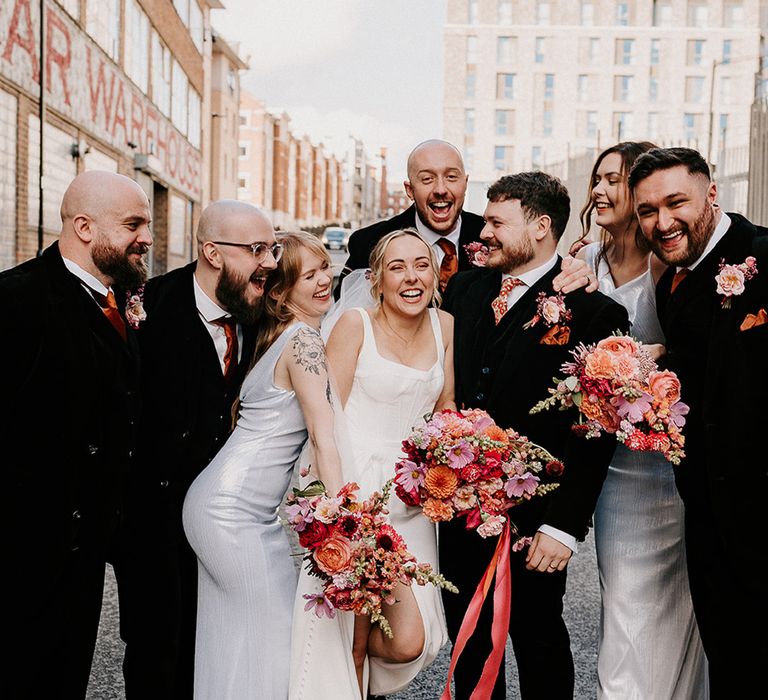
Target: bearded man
<point x="68" y="407"/>
<point x="196" y="346"/>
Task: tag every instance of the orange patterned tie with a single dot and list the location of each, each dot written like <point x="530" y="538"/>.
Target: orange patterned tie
<point x="229" y="324"/>
<point x="109" y="307"/>
<point x="499" y="304"/>
<point x="450" y="263"/>
<point x="679" y="277"/>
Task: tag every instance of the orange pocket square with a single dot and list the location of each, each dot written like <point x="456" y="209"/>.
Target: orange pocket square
<point x="752" y="320"/>
<point x="557" y="335"/>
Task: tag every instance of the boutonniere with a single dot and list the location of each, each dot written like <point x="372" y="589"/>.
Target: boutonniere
<point x="552" y="311"/>
<point x="134" y="307"/>
<point x="731" y="278"/>
<point x="477" y="253"/>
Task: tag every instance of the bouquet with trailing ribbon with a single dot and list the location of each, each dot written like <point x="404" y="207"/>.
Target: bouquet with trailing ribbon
<point x="618" y="388"/>
<point x="351" y="547"/>
<point x="463" y="465"/>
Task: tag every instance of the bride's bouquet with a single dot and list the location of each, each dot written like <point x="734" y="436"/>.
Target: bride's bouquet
<point x="461" y="464"/>
<point x="358" y="556"/>
<point x="618" y="388"/>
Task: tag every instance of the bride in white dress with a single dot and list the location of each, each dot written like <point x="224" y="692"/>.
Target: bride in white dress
<point x="393" y="364"/>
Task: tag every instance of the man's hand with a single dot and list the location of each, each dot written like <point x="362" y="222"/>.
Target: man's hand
<point x="575" y="274"/>
<point x="546" y="554"/>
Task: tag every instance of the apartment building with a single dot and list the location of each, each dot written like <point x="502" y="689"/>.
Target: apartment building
<point x="530" y="82"/>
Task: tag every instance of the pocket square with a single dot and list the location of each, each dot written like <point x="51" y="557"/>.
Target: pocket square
<point x="752" y="320"/>
<point x="557" y="335"/>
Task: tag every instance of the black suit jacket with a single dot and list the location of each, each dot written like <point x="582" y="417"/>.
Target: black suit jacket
<point x="505" y="370"/>
<point x="724" y="380"/>
<point x="364" y="240"/>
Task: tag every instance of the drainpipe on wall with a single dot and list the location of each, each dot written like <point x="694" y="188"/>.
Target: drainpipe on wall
<point x="42" y="125"/>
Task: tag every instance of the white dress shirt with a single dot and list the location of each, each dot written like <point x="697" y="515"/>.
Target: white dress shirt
<point x="432" y="238"/>
<point x="209" y="312"/>
<point x="88" y="281"/>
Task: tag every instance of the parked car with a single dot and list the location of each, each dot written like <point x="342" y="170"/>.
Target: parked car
<point x="336" y="237"/>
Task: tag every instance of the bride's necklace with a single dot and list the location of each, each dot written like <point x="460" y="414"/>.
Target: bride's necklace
<point x="405" y="341"/>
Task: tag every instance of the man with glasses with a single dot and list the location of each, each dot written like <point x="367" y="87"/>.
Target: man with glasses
<point x="196" y="343"/>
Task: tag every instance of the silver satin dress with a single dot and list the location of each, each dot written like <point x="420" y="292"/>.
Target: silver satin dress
<point x="649" y="645"/>
<point x="246" y="577"/>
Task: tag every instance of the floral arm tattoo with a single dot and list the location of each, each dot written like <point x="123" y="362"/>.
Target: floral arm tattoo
<point x="309" y="352"/>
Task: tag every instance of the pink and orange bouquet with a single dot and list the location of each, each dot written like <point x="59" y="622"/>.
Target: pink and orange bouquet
<point x="461" y="464"/>
<point x="354" y="551"/>
<point x="618" y="388"/>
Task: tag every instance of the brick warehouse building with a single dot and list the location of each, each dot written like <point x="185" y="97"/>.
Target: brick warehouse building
<point x="127" y="88"/>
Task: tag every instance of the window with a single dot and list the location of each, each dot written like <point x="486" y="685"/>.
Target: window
<point x="695" y="52"/>
<point x="727" y="45"/>
<point x="469" y="122"/>
<point x="243" y="118"/>
<point x="694" y="89"/>
<point x="722" y="129"/>
<point x="505" y="86"/>
<point x="504" y="11"/>
<point x="549" y="86"/>
<point x="471" y="49"/>
<point x="471" y="82"/>
<point x="542" y="12"/>
<point x="469" y="157"/>
<point x="587" y="16"/>
<point x="698" y="13"/>
<point x="137" y="45"/>
<point x="589" y="49"/>
<point x="472" y="16"/>
<point x="242" y="149"/>
<point x="591" y="124"/>
<point x="662" y="13"/>
<point x="725" y="89"/>
<point x="194" y="117"/>
<point x="546" y="124"/>
<point x="538" y="51"/>
<point x="536" y="157"/>
<point x="625" y="52"/>
<point x="196" y="24"/>
<point x="503" y="158"/>
<point x="622" y="88"/>
<point x="586" y="125"/>
<point x="242" y="182"/>
<point x="622" y="14"/>
<point x="582" y="88"/>
<point x="653" y="89"/>
<point x="622" y="125"/>
<point x="594" y="49"/>
<point x="161" y="75"/>
<point x="179" y="97"/>
<point x="178" y="225"/>
<point x="733" y="14"/>
<point x="102" y="22"/>
<point x="505" y="122"/>
<point x="655" y="51"/>
<point x="653" y="125"/>
<point x="505" y="46"/>
<point x="691" y="126"/>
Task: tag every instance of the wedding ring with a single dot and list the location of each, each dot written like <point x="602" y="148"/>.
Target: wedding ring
<point x="587" y="276"/>
<point x="553" y="566"/>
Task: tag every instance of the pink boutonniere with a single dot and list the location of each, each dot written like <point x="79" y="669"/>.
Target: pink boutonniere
<point x="477" y="253"/>
<point x="731" y="278"/>
<point x="552" y="311"/>
<point x="134" y="308"/>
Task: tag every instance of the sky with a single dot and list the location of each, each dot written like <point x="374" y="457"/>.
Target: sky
<point x="372" y="69"/>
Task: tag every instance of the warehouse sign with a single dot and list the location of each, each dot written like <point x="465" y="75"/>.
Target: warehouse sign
<point x="88" y="89"/>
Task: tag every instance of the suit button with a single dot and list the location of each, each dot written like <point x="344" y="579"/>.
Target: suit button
<point x="92" y="449"/>
<point x="164" y="483"/>
<point x="485" y="370"/>
<point x="76" y="515"/>
<point x="185" y="435"/>
<point x="480" y="396"/>
<point x="130" y="454"/>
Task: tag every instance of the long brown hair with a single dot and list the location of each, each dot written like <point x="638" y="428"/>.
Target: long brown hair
<point x="629" y="151"/>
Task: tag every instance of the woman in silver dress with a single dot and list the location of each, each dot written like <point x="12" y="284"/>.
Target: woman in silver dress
<point x="247" y="580"/>
<point x="649" y="644"/>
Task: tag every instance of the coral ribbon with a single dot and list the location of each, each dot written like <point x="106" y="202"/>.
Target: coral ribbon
<point x="502" y="605"/>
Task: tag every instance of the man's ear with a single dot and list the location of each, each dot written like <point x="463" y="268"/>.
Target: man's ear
<point x="83" y="227"/>
<point x="543" y="227"/>
<point x="712" y="193"/>
<point x="212" y="255"/>
<point x="408" y="189"/>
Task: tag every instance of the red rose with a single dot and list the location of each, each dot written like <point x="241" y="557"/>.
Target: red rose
<point x="313" y="534"/>
<point x="410" y="499"/>
<point x="555" y="467"/>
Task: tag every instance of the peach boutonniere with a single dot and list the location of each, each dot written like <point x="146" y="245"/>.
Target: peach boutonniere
<point x="477" y="253"/>
<point x="134" y="307"/>
<point x="731" y="278"/>
<point x="553" y="313"/>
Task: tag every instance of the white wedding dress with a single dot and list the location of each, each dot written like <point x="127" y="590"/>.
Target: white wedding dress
<point x="387" y="399"/>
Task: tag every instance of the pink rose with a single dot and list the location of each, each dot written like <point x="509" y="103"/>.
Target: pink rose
<point x="619" y="344"/>
<point x="730" y="281"/>
<point x="551" y="310"/>
<point x="665" y="386"/>
<point x="333" y="555"/>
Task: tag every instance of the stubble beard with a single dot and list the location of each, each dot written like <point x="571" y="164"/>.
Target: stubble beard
<point x="513" y="258"/>
<point x="697" y="235"/>
<point x="230" y="293"/>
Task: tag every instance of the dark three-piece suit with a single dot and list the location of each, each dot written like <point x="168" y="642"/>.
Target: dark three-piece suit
<point x="505" y="370"/>
<point x="69" y="410"/>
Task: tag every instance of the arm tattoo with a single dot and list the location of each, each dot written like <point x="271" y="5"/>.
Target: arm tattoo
<point x="309" y="351"/>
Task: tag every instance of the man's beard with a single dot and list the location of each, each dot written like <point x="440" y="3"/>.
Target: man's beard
<point x="513" y="258"/>
<point x="697" y="235"/>
<point x="230" y="293"/>
<point x="116" y="265"/>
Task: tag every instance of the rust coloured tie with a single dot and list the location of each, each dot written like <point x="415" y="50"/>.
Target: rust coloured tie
<point x="499" y="304"/>
<point x="109" y="307"/>
<point x="679" y="277"/>
<point x="229" y="324"/>
<point x="450" y="263"/>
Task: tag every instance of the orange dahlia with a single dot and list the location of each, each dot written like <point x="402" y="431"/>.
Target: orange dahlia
<point x="494" y="432"/>
<point x="441" y="481"/>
